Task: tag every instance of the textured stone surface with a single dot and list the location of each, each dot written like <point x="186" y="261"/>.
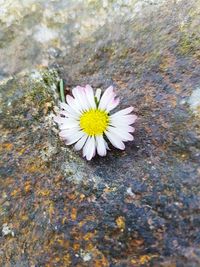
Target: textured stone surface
<point x="139" y="207"/>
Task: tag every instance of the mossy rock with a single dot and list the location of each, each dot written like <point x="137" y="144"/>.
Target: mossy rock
<point x="28" y="95"/>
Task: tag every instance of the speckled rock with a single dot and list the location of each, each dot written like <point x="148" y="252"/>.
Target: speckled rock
<point x="138" y="207"/>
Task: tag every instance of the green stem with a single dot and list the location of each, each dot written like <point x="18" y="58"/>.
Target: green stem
<point x="62" y="94"/>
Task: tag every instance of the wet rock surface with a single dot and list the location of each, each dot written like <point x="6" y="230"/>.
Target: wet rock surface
<point x="139" y="207"/>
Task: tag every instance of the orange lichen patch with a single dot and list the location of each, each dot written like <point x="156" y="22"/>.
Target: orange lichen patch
<point x="144" y="259"/>
<point x="110" y="189"/>
<point x="87" y="219"/>
<point x="64" y="220"/>
<point x="34" y="168"/>
<point x="21" y="151"/>
<point x="71" y="196"/>
<point x="6" y="146"/>
<point x="73" y="214"/>
<point x="15" y="192"/>
<point x="89" y="246"/>
<point x="120" y="221"/>
<point x="99" y="259"/>
<point x="63" y="243"/>
<point x="34" y="165"/>
<point x="58" y="239"/>
<point x="27" y="187"/>
<point x="76" y="246"/>
<point x="24" y="217"/>
<point x="44" y="192"/>
<point x="89" y="236"/>
<point x="135" y="243"/>
<point x="101" y="262"/>
<point x="65" y="260"/>
<point x="82" y="196"/>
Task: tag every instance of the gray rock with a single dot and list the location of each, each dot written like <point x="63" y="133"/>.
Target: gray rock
<point x="139" y="207"/>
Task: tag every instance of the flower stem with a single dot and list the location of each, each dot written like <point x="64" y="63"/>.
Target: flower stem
<point x="62" y="94"/>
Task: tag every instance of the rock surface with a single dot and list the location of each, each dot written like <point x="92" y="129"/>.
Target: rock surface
<point x="139" y="207"/>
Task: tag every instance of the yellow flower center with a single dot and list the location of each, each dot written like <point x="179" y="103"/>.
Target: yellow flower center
<point x="94" y="122"/>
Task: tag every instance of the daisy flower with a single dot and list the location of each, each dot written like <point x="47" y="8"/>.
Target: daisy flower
<point x="85" y="121"/>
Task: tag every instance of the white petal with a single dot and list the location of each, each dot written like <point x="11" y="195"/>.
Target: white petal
<point x="121" y="133"/>
<point x="90" y="96"/>
<point x="72" y="138"/>
<point x="69" y="109"/>
<point x="63" y="105"/>
<point x="112" y="104"/>
<point x="69" y="132"/>
<point x="86" y="147"/>
<point x="98" y="94"/>
<point x="66" y="122"/>
<point x="123" y="120"/>
<point x="115" y="140"/>
<point x="74" y="104"/>
<point x="89" y="148"/>
<point x="92" y="149"/>
<point x="128" y="129"/>
<point x="123" y="112"/>
<point x="81" y="142"/>
<point x="65" y="113"/>
<point x="84" y="99"/>
<point x="69" y="123"/>
<point x="107" y="96"/>
<point x="125" y="127"/>
<point x="108" y="100"/>
<point x="59" y="120"/>
<point x="79" y="94"/>
<point x="101" y="145"/>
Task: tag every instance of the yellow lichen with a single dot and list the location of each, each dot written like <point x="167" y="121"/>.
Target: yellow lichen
<point x="120" y="221"/>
